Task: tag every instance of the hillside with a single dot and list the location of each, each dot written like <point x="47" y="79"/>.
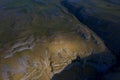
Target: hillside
<point x="40" y="38"/>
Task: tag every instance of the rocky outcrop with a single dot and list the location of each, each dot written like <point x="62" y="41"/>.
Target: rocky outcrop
<point x="20" y="46"/>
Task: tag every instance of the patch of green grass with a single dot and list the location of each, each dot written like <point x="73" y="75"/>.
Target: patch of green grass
<point x="23" y="10"/>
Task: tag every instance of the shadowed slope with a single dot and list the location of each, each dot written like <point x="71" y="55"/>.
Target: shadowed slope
<point x="102" y="16"/>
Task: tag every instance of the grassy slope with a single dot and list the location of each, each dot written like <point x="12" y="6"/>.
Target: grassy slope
<point x="34" y="18"/>
<point x="22" y="18"/>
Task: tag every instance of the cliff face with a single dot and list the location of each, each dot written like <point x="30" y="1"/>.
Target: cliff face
<point x="39" y="38"/>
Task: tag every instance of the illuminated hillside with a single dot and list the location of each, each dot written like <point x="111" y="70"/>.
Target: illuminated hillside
<point x="40" y="38"/>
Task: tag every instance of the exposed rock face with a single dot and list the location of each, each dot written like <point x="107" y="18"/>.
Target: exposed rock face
<point x="20" y="46"/>
<point x="50" y="41"/>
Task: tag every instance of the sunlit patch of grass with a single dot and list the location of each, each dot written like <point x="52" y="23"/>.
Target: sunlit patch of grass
<point x="17" y="76"/>
<point x="68" y="41"/>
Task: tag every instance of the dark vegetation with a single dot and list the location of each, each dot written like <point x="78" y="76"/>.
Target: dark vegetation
<point x="99" y="19"/>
